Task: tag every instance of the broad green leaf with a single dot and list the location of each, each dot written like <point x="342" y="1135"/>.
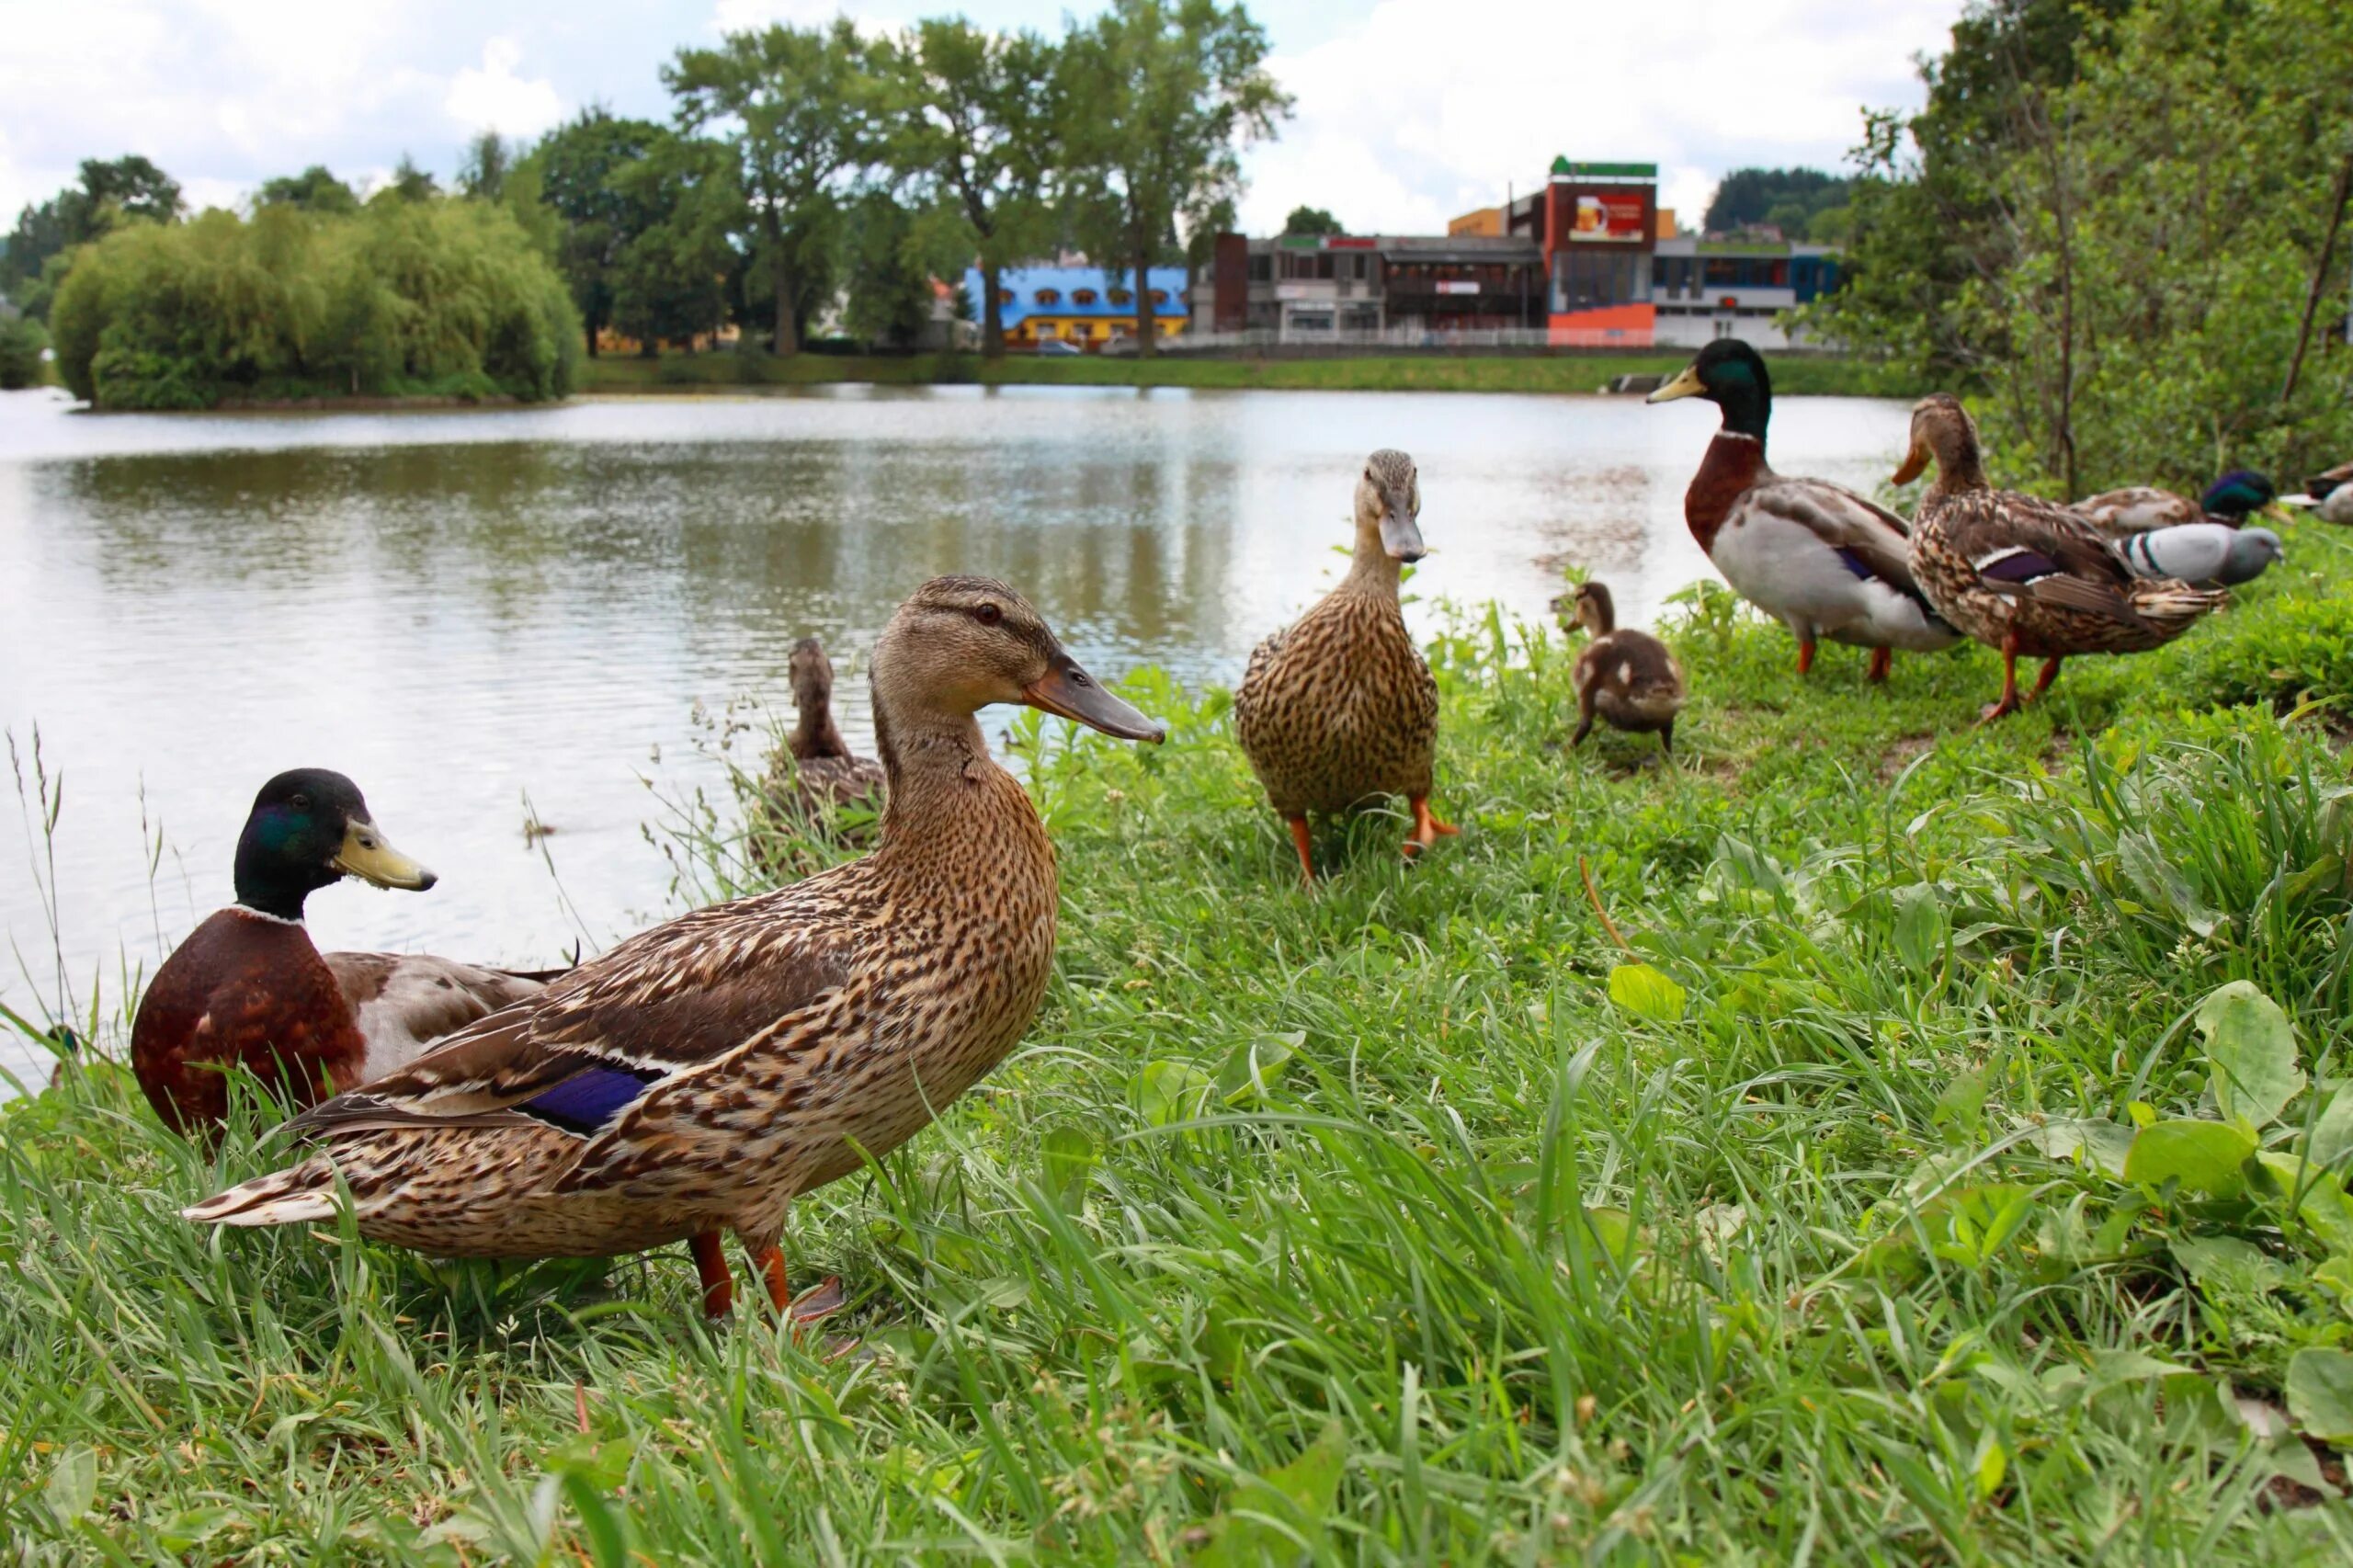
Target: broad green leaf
<point x="2320" y="1392"/>
<point x="2204" y="1156"/>
<point x="2253" y="1049"/>
<point x="1168" y="1092"/>
<point x="1614" y="1229"/>
<point x="2113" y="1368"/>
<point x="2162" y="883"/>
<point x="1069" y="1155"/>
<point x="1299" y="1494"/>
<point x="1255" y="1065"/>
<point x="73" y="1484"/>
<point x="194" y="1527"/>
<point x="1921" y="926"/>
<point x="2332" y="1138"/>
<point x="2226" y="1262"/>
<point x="2325" y="1206"/>
<point x="2337" y="1275"/>
<point x="1992" y="1463"/>
<point x="1646" y="992"/>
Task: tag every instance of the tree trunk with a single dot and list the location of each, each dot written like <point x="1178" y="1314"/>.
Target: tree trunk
<point x="992" y="311"/>
<point x="1147" y="329"/>
<point x="2320" y="278"/>
<point x="787" y="343"/>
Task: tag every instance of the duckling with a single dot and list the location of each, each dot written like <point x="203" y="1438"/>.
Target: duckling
<point x="1339" y="708"/>
<point x="704" y="1074"/>
<point x="2024" y="574"/>
<point x="824" y="772"/>
<point x="2137" y="508"/>
<point x="1629" y="677"/>
<point x="246" y="988"/>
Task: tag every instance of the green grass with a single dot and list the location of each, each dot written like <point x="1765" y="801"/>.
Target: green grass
<point x="1741" y="1247"/>
<point x="1798" y="374"/>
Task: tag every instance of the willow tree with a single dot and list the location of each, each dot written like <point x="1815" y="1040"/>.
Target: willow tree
<point x="975" y="123"/>
<point x="1159" y="97"/>
<point x="802" y="109"/>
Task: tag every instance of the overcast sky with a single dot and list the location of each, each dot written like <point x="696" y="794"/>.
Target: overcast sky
<point x="1408" y="111"/>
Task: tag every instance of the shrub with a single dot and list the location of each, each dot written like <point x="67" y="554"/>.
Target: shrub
<point x="21" y="342"/>
<point x="437" y="297"/>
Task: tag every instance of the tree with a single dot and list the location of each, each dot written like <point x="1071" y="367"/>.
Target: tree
<point x="975" y="119"/>
<point x="1159" y="96"/>
<point x="669" y="277"/>
<point x="409" y="183"/>
<point x="577" y="166"/>
<point x="799" y="105"/>
<point x="312" y="190"/>
<point x="21" y="343"/>
<point x="112" y="192"/>
<point x="1312" y="221"/>
<point x="1787" y="199"/>
<point x="490" y="158"/>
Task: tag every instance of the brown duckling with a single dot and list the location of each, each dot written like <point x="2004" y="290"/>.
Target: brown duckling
<point x="1628" y="677"/>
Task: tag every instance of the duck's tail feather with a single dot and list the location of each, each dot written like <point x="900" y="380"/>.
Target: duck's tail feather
<point x="2170" y="605"/>
<point x="296" y="1194"/>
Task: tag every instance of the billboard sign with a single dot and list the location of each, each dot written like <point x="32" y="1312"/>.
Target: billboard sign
<point x="1610" y="216"/>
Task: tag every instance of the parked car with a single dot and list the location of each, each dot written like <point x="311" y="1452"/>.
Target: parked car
<point x="1056" y="348"/>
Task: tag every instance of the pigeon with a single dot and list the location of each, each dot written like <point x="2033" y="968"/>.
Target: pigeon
<point x="2203" y="554"/>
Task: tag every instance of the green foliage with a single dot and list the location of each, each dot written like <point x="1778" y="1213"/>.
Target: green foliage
<point x="889" y="259"/>
<point x="21" y="343"/>
<point x="584" y="168"/>
<point x="1788" y="198"/>
<point x="2120" y="239"/>
<point x="668" y="275"/>
<point x="426" y="296"/>
<point x="1159" y="96"/>
<point x="1312" y="221"/>
<point x="315" y="189"/>
<point x="801" y="108"/>
<point x="112" y="193"/>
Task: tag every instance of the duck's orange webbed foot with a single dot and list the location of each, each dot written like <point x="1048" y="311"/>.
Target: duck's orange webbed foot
<point x="710" y="1264"/>
<point x="1428" y="829"/>
<point x="1805" y="655"/>
<point x="1882" y="659"/>
<point x="814" y="1304"/>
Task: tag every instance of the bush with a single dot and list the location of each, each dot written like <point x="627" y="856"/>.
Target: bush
<point x="444" y="298"/>
<point x="21" y="342"/>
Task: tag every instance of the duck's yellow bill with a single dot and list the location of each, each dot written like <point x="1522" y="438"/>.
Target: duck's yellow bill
<point x="368" y="855"/>
<point x="1687" y="384"/>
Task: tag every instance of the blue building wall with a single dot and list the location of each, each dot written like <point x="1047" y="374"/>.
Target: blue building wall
<point x="1066" y="283"/>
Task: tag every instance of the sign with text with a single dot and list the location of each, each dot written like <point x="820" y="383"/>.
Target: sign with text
<point x="1451" y="286"/>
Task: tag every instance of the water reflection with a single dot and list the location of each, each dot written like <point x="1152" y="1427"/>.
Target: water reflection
<point x="461" y="609"/>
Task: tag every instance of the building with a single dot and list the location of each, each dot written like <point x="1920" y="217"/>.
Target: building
<point x="1082" y="306"/>
<point x="1354" y="288"/>
<point x="1706" y="289"/>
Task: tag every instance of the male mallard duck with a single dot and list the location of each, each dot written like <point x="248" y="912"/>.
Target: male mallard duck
<point x="246" y="988"/>
<point x="1813" y="555"/>
<point x="2137" y="508"/>
<point x="824" y="772"/>
<point x="1629" y="677"/>
<point x="2023" y="575"/>
<point x="703" y="1073"/>
<point x="1338" y="707"/>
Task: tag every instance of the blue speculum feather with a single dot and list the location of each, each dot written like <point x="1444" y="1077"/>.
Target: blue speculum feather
<point x="2019" y="566"/>
<point x="585" y="1103"/>
<point x="1856" y="565"/>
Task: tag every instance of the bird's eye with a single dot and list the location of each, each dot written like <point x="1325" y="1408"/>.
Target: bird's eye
<point x="302" y="802"/>
<point x="988" y="614"/>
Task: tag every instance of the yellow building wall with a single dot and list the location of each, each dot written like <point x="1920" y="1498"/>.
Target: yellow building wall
<point x="1485" y="220"/>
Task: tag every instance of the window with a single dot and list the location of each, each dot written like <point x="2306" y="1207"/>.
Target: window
<point x="1160" y="296"/>
<point x="1082" y="296"/>
<point x="1262" y="270"/>
<point x="1005" y="296"/>
<point x="1591" y="278"/>
<point x="1121" y="297"/>
<point x="1049" y="297"/>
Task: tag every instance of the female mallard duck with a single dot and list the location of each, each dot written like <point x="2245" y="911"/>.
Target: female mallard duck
<point x="2138" y="508"/>
<point x="247" y="988"/>
<point x="1338" y="707"/>
<point x="703" y="1073"/>
<point x="2330" y="495"/>
<point x="1813" y="555"/>
<point x="1626" y="676"/>
<point x="824" y="772"/>
<point x="2022" y="575"/>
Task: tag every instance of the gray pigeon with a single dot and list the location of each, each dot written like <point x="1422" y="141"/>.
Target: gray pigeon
<point x="2204" y="554"/>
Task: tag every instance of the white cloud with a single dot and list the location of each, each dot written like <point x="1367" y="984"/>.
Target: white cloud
<point x="493" y="98"/>
<point x="1429" y="107"/>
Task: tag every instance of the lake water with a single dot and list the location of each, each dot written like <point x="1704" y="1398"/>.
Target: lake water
<point x="460" y="609"/>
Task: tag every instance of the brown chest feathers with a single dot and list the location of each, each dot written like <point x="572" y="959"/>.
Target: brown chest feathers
<point x="1733" y="466"/>
<point x="1340" y="708"/>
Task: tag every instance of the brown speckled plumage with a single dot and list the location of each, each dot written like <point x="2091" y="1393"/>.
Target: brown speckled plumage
<point x="1627" y="677"/>
<point x="703" y="1073"/>
<point x="2022" y="575"/>
<point x="817" y="769"/>
<point x="1339" y="709"/>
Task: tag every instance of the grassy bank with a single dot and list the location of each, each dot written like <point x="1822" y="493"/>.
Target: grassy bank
<point x="1798" y="375"/>
<point x="1799" y="1232"/>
